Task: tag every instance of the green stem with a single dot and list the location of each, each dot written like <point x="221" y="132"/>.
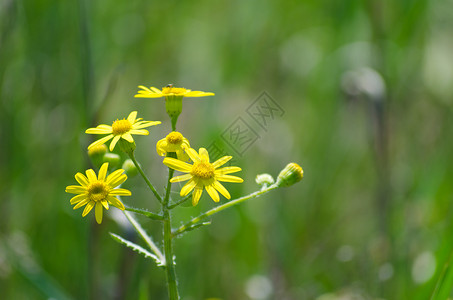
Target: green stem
<point x="168" y="247"/>
<point x="132" y="156"/>
<point x="190" y="225"/>
<point x="145" y="237"/>
<point x="180" y="202"/>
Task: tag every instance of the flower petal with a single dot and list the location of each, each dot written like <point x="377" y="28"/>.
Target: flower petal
<point x="193" y="155"/>
<point x="196" y="195"/>
<point x="75" y="189"/>
<point x="227" y="170"/>
<point x="160" y="147"/>
<point x="228" y="178"/>
<point x="177" y="164"/>
<point x="117" y="181"/>
<point x="103" y="171"/>
<point x="213" y="193"/>
<point x="218" y="186"/>
<point x="98" y="212"/>
<point x="145" y="124"/>
<point x="100" y="129"/>
<point x="120" y="192"/>
<point x="82" y="203"/>
<point x="115" y="202"/>
<point x="204" y="154"/>
<point x="114" y="141"/>
<point x="91" y="175"/>
<point x="181" y="178"/>
<point x="114" y="176"/>
<point x="187" y="188"/>
<point x="198" y="94"/>
<point x="105" y="204"/>
<point x="128" y="137"/>
<point x="139" y="131"/>
<point x="100" y="141"/>
<point x="81" y="179"/>
<point x="156" y="90"/>
<point x="132" y="116"/>
<point x="221" y="161"/>
<point x="78" y="198"/>
<point x="88" y="208"/>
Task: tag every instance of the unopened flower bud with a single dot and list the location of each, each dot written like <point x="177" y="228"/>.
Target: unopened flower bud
<point x="291" y="174"/>
<point x="113" y="160"/>
<point x="130" y="168"/>
<point x="96" y="154"/>
<point x="264" y="179"/>
<point x="126" y="147"/>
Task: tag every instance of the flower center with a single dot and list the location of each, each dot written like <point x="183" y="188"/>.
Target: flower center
<point x="98" y="191"/>
<point x="174" y="137"/>
<point x="202" y="170"/>
<point x="173" y="90"/>
<point x="121" y="127"/>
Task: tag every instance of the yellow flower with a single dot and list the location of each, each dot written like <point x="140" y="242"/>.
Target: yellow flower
<point x="98" y="191"/>
<point x="203" y="174"/>
<point x="174" y="142"/>
<point x="169" y="90"/>
<point x="121" y="129"/>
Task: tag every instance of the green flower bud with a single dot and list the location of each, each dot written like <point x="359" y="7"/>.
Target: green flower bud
<point x="96" y="154"/>
<point x="291" y="174"/>
<point x="113" y="159"/>
<point x="127" y="147"/>
<point x="130" y="168"/>
<point x="264" y="179"/>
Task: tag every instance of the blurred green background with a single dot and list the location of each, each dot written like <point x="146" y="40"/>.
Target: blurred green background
<point x="367" y="90"/>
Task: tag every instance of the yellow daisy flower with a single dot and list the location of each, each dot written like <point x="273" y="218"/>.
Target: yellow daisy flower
<point x="174" y="142"/>
<point x="121" y="129"/>
<point x="98" y="191"/>
<point x="169" y="90"/>
<point x="203" y="174"/>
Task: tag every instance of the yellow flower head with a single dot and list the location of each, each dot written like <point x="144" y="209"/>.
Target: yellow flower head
<point x="121" y="129"/>
<point x="98" y="191"/>
<point x="169" y="90"/>
<point x="174" y="142"/>
<point x="203" y="174"/>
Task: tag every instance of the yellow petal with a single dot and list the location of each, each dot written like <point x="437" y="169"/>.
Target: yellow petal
<point x="78" y="198"/>
<point x="75" y="189"/>
<point x="193" y="155"/>
<point x="155" y="90"/>
<point x="221" y="161"/>
<point x="120" y="192"/>
<point x="227" y="170"/>
<point x="160" y="147"/>
<point x="187" y="188"/>
<point x="114" y="141"/>
<point x="118" y="180"/>
<point x="132" y="116"/>
<point x="81" y="179"/>
<point x="82" y="203"/>
<point x="139" y="131"/>
<point x="91" y="175"/>
<point x="213" y="193"/>
<point x="177" y="164"/>
<point x="198" y="94"/>
<point x="105" y="204"/>
<point x="98" y="212"/>
<point x="101" y="129"/>
<point x="115" y="202"/>
<point x="128" y="137"/>
<point x="196" y="195"/>
<point x="204" y="154"/>
<point x="181" y="178"/>
<point x="103" y="171"/>
<point x="88" y="208"/>
<point x="144" y="88"/>
<point x="229" y="178"/>
<point x="145" y="124"/>
<point x="114" y="175"/>
<point x="218" y="186"/>
<point x="100" y="141"/>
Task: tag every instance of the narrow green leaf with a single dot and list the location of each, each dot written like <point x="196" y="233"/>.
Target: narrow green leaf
<point x="145" y="212"/>
<point x="135" y="247"/>
<point x="444" y="284"/>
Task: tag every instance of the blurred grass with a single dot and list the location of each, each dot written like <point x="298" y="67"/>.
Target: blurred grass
<point x="372" y="216"/>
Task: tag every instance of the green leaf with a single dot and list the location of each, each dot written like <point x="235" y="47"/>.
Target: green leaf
<point x="145" y="213"/>
<point x="135" y="247"/>
<point x="444" y="284"/>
